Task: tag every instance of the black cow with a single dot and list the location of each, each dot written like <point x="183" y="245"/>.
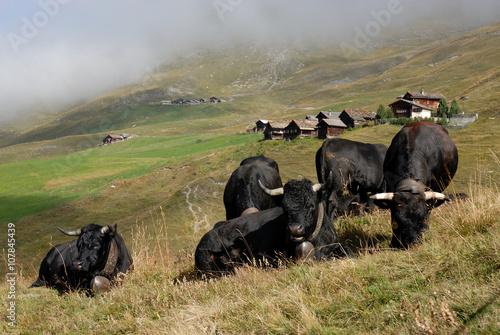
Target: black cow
<point x="242" y="194"/>
<point x="92" y="262"/>
<point x="308" y="224"/>
<point x="256" y="236"/>
<point x="357" y="168"/>
<point x="299" y="227"/>
<point x="420" y="162"/>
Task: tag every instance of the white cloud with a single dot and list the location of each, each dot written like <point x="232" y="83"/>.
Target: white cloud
<point x="57" y="51"/>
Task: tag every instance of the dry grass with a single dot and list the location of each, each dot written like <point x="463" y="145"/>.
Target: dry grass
<point x="450" y="284"/>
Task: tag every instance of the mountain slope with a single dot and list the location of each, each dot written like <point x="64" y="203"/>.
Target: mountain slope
<point x="269" y="81"/>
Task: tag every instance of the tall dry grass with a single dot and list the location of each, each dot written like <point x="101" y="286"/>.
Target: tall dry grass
<point x="450" y="284"/>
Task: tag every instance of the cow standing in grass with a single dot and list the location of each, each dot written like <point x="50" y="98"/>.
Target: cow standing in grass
<point x="357" y="170"/>
<point x="420" y="163"/>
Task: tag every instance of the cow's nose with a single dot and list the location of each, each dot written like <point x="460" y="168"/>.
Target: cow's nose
<point x="77" y="265"/>
<point x="297" y="230"/>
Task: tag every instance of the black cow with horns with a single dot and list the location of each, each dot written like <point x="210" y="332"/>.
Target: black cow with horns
<point x="92" y="262"/>
<point x="308" y="223"/>
<point x="420" y="163"/>
<point x="299" y="229"/>
<point x="243" y="195"/>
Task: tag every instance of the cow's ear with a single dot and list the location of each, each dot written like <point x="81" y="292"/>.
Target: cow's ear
<point x="382" y="200"/>
<point x="383" y="204"/>
<point x="112" y="230"/>
<point x="433" y="203"/>
<point x="434" y="199"/>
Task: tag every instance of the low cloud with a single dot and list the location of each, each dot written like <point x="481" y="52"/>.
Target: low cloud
<point x="56" y="52"/>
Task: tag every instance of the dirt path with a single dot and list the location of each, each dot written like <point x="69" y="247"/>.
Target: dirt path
<point x="199" y="216"/>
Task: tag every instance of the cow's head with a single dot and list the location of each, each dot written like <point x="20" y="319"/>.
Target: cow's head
<point x="94" y="243"/>
<point x="303" y="207"/>
<point x="410" y="207"/>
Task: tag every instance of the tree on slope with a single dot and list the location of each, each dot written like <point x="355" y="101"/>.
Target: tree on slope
<point x="442" y="110"/>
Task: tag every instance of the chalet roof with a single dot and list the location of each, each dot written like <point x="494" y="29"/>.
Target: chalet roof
<point x="360" y="115"/>
<point x="329" y="115"/>
<point x="278" y="124"/>
<point x="263" y="121"/>
<point x="334" y="123"/>
<point x="413" y="103"/>
<point x="304" y="124"/>
<point x="423" y="95"/>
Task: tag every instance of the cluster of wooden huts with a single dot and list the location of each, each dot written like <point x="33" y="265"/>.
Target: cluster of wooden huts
<point x="413" y="104"/>
<point x="324" y="125"/>
<point x="211" y="100"/>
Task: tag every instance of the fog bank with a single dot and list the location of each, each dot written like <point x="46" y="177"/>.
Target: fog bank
<point x="55" y="52"/>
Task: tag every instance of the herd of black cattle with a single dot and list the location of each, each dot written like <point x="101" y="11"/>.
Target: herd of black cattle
<point x="268" y="222"/>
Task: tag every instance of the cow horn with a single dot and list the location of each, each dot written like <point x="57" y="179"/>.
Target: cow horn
<point x="435" y="195"/>
<point x="317" y="187"/>
<point x="382" y="196"/>
<point x="273" y="192"/>
<point x="76" y="232"/>
<point x="106" y="230"/>
<point x="326" y="185"/>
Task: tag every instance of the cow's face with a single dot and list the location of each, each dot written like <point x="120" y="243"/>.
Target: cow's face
<point x="410" y="207"/>
<point x="300" y="204"/>
<point x="301" y="201"/>
<point x="409" y="216"/>
<point x="93" y="245"/>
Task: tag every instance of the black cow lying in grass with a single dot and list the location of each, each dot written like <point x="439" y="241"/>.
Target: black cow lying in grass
<point x="242" y="194"/>
<point x="92" y="262"/>
<point x="299" y="229"/>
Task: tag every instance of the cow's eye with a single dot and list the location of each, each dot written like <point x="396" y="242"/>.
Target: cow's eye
<point x="96" y="246"/>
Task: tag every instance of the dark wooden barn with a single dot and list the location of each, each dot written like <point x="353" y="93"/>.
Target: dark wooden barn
<point x="328" y="128"/>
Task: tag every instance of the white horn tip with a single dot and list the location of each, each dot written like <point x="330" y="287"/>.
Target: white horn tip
<point x="382" y="196"/>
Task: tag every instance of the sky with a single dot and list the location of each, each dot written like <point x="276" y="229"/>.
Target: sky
<point x="55" y="52"/>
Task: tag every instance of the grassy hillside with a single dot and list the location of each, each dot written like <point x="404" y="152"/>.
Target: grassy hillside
<point x="442" y="288"/>
<point x="168" y="185"/>
<point x="275" y="82"/>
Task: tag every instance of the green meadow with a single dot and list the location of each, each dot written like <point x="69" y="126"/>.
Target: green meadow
<point x="33" y="186"/>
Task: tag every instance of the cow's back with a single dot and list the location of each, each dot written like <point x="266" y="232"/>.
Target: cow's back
<point x="242" y="190"/>
<point x="239" y="239"/>
<point x="354" y="160"/>
<point x="56" y="268"/>
<point x="422" y="151"/>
